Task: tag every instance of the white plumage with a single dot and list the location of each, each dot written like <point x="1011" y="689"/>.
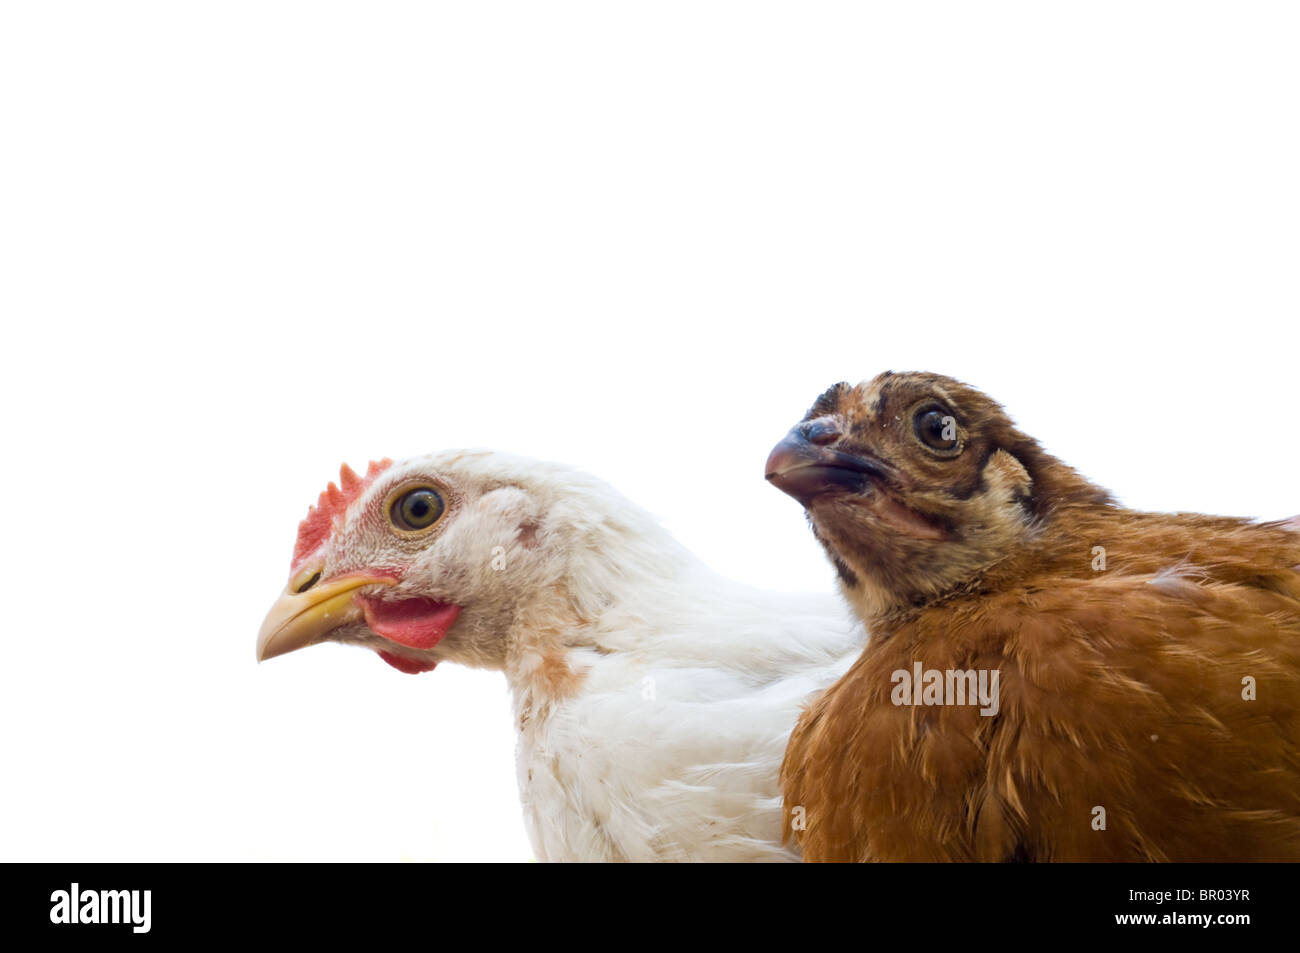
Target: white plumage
<point x="654" y="698"/>
<point x="670" y="747"/>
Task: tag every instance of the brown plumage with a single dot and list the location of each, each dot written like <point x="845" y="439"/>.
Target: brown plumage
<point x="1148" y="664"/>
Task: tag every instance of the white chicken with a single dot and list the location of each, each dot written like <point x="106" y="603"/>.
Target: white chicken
<point x="654" y="698"/>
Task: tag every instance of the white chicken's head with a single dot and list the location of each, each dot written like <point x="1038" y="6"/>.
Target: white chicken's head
<point x="432" y="559"/>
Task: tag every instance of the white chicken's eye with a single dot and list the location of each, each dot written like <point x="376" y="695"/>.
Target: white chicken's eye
<point x="417" y="509"/>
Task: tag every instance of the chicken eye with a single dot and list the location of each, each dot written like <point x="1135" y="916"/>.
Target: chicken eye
<point x="417" y="509"/>
<point x="936" y="428"/>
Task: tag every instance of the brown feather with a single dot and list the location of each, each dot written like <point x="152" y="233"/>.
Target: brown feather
<point x="1120" y="688"/>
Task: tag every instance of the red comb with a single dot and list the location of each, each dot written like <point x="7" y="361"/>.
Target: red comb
<point x="333" y="503"/>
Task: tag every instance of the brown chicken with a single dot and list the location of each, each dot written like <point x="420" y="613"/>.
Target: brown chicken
<point x="1050" y="676"/>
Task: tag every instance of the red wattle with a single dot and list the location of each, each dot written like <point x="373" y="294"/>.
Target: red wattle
<point x="415" y="623"/>
<point x="408" y="665"/>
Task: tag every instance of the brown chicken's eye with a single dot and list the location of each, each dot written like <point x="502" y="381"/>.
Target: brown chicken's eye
<point x="936" y="428"/>
<point x="417" y="509"/>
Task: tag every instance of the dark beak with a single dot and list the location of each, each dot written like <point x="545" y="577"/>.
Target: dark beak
<point x="805" y="470"/>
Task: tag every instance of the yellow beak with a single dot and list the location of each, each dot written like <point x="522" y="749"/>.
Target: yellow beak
<point x="306" y="613"/>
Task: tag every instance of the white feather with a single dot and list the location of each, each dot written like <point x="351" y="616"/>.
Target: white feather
<point x="654" y="697"/>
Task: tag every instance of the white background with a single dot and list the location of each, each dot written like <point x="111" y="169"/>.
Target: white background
<point x="243" y="242"/>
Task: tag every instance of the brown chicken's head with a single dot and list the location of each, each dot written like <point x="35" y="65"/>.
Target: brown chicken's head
<point x="915" y="484"/>
<point x="428" y="560"/>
